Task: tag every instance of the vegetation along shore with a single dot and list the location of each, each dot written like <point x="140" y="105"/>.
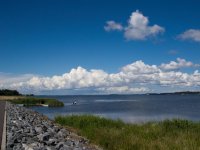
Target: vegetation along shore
<point x="116" y="135"/>
<point x="28" y="100"/>
<point x="33" y="101"/>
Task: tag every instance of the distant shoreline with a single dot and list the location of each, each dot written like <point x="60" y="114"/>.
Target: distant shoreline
<point x="39" y="96"/>
<point x="6" y="94"/>
<point x="177" y="93"/>
<point x="170" y="93"/>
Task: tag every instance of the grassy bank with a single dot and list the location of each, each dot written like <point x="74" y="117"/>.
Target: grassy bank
<point x="117" y="135"/>
<point x="10" y="97"/>
<point x="32" y="101"/>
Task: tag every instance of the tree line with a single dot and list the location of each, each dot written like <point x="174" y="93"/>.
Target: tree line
<point x="6" y="92"/>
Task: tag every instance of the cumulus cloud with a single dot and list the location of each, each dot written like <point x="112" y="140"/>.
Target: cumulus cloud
<point x="191" y="34"/>
<point x="7" y="79"/>
<point x="136" y="77"/>
<point x="112" y="26"/>
<point x="139" y="67"/>
<point x="138" y="27"/>
<point x="179" y="63"/>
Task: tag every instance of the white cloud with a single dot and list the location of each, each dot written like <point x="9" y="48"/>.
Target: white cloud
<point x="138" y="27"/>
<point x="179" y="63"/>
<point x="191" y="34"/>
<point x="139" y="67"/>
<point x="7" y="79"/>
<point x="112" y="25"/>
<point x="136" y="77"/>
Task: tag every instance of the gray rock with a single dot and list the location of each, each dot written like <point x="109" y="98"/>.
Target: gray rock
<point x="59" y="145"/>
<point x="52" y="142"/>
<point x="38" y="129"/>
<point x="29" y="130"/>
<point x="43" y="137"/>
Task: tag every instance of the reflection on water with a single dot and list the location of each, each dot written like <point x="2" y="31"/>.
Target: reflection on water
<point x="129" y="108"/>
<point x="113" y="100"/>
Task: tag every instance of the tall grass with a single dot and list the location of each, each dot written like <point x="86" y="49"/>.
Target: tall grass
<point x="117" y="135"/>
<point x="32" y="101"/>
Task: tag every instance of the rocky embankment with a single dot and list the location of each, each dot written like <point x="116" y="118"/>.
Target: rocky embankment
<point x="29" y="130"/>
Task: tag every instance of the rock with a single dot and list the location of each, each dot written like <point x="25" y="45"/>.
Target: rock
<point x="29" y="130"/>
<point x="59" y="145"/>
<point x="60" y="134"/>
<point x="52" y="142"/>
<point x="27" y="147"/>
<point x="38" y="129"/>
<point x="69" y="143"/>
<point x="43" y="137"/>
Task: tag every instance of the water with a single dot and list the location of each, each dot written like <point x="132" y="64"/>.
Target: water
<point x="129" y="108"/>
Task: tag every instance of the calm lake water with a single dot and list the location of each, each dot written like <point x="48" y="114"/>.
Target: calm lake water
<point x="134" y="108"/>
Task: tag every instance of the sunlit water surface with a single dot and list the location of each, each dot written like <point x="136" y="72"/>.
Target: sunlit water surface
<point x="129" y="108"/>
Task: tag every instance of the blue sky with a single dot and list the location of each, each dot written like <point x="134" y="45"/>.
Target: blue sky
<point x="47" y="38"/>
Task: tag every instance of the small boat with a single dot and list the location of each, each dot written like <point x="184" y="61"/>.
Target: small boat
<point x="74" y="102"/>
<point x="44" y="105"/>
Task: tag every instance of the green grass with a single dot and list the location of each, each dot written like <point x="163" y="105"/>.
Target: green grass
<point x="32" y="101"/>
<point x="116" y="135"/>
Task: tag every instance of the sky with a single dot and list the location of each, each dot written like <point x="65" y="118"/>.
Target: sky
<point x="99" y="47"/>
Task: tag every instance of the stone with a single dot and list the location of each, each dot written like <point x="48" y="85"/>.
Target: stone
<point x="38" y="129"/>
<point x="52" y="142"/>
<point x="43" y="137"/>
<point x="59" y="145"/>
<point x="29" y="130"/>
